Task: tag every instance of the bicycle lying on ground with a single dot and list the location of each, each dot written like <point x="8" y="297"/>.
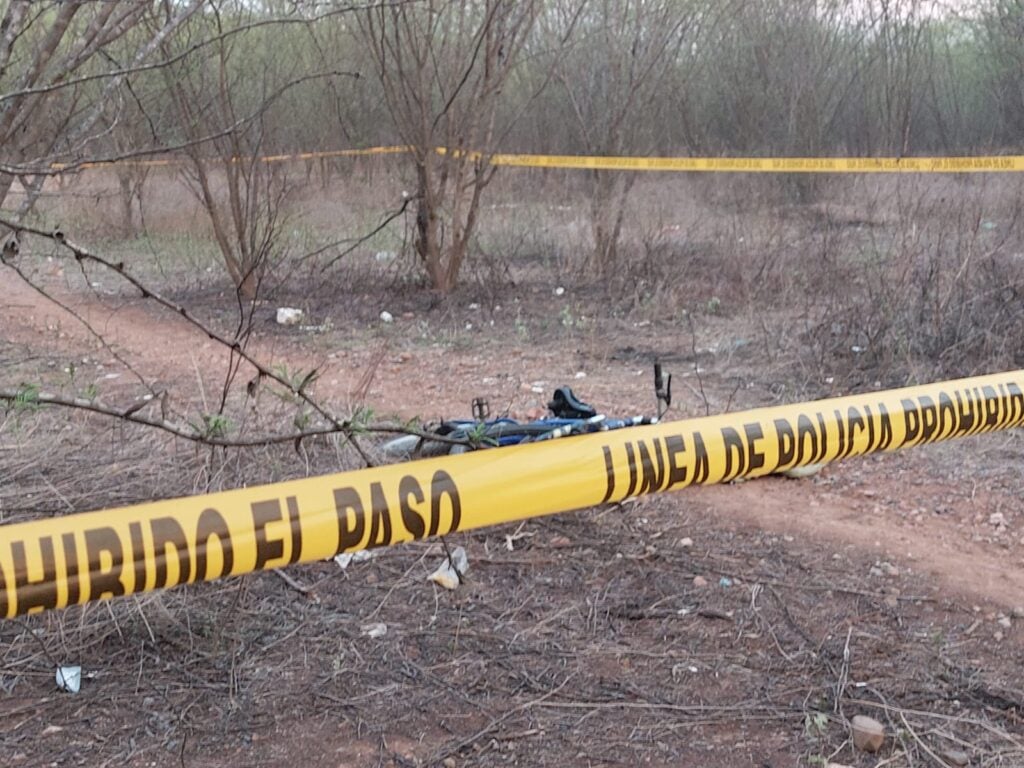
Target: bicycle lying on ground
<point x="569" y="416"/>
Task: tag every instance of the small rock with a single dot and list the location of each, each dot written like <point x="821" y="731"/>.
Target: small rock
<point x="1018" y="612"/>
<point x="387" y="317"/>
<point x="837" y="765"/>
<point x="889" y="569"/>
<point x="868" y="734"/>
<point x="798" y="473"/>
<point x="997" y="519"/>
<point x="559" y="291"/>
<point x="1004" y="622"/>
<point x="448" y="762"/>
<point x="700" y="582"/>
<point x="382" y="257"/>
<point x="998" y="637"/>
<point x="560" y="542"/>
<point x="686" y="542"/>
<point x="956" y="757"/>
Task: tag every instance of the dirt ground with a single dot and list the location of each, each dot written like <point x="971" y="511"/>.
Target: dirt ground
<point x="741" y="625"/>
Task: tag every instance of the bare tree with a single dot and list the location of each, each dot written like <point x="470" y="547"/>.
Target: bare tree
<point x="222" y="100"/>
<point x="60" y="79"/>
<point x="241" y="195"/>
<point x="611" y="78"/>
<point x="442" y="65"/>
<point x="1001" y="31"/>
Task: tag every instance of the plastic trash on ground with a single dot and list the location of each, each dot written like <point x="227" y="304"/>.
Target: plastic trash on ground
<point x="69" y="679"/>
<point x="375" y="630"/>
<point x="450" y="572"/>
<point x="288" y="315"/>
<point x="345" y="559"/>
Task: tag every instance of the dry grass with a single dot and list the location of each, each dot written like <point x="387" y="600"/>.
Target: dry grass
<point x="588" y="643"/>
<point x="883" y="277"/>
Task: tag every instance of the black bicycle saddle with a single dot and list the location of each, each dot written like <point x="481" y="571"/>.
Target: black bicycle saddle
<point x="565" y="405"/>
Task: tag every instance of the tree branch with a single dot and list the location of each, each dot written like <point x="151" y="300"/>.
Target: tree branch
<point x="82" y="254"/>
<point x="25" y="398"/>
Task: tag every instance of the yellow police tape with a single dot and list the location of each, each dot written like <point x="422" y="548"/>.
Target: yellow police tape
<point x="1004" y="163"/>
<point x="97" y="555"/>
<point x="980" y="164"/>
<point x="165" y="162"/>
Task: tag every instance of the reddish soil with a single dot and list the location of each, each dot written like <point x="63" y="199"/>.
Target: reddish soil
<point x="587" y="643"/>
<point x="854" y="506"/>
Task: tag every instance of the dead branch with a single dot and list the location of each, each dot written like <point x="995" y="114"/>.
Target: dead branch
<point x="15" y="398"/>
<point x="82" y="254"/>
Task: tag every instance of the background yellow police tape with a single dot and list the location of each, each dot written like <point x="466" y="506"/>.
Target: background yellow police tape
<point x="979" y="164"/>
<point x="57" y="562"/>
<point x="1004" y="163"/>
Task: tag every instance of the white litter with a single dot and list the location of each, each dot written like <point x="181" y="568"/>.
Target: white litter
<point x="288" y="316"/>
<point x="345" y="559"/>
<point x="382" y="257"/>
<point x="450" y="572"/>
<point x="69" y="679"/>
<point x="387" y="317"/>
<point x="375" y="630"/>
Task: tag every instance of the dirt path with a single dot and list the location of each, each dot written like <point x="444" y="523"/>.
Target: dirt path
<point x="935" y="551"/>
<point x="874" y="514"/>
<point x="384" y="369"/>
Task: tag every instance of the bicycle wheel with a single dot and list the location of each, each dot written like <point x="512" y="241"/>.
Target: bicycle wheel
<point x="400" y="447"/>
<point x="413" y="447"/>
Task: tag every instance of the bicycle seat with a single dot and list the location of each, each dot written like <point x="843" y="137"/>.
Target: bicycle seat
<point x="565" y="405"/>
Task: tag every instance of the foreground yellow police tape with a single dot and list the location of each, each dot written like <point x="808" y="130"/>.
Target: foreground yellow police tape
<point x="97" y="555"/>
<point x="979" y="164"/>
